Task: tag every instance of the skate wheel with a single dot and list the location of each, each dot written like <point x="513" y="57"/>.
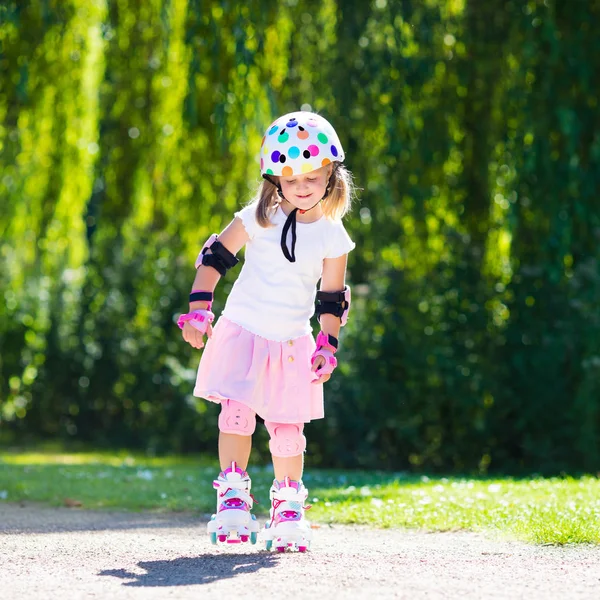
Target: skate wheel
<point x="244" y="538"/>
<point x="302" y="548"/>
<point x="222" y="538"/>
<point x="268" y="545"/>
<point x="281" y="548"/>
<point x="213" y="538"/>
<point x="253" y="537"/>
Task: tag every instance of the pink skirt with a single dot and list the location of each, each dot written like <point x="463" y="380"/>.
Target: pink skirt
<point x="271" y="378"/>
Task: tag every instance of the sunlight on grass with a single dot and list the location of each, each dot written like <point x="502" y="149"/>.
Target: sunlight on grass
<point x="542" y="511"/>
<point x="555" y="510"/>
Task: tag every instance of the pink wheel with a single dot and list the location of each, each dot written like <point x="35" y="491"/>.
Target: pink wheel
<point x="222" y="538"/>
<point x="302" y="548"/>
<point x="280" y="548"/>
<point x="244" y="538"/>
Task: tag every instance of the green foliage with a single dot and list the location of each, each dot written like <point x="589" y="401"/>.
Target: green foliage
<point x="129" y="132"/>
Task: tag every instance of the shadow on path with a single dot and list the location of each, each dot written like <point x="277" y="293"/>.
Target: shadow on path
<point x="194" y="571"/>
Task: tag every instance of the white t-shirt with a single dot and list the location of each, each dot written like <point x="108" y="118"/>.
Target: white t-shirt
<point x="272" y="297"/>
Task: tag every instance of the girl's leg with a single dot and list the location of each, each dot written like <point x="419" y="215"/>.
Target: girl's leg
<point x="287" y="447"/>
<point x="237" y="423"/>
<point x="233" y="521"/>
<point x="288" y="466"/>
<point x="234" y="448"/>
<point x="288" y="525"/>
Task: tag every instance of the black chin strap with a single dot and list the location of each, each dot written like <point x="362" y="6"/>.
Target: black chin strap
<point x="290" y="222"/>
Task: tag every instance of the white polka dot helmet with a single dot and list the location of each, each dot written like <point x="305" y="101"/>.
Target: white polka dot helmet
<point x="299" y="142"/>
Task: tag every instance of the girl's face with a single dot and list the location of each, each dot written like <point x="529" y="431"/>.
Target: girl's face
<point x="305" y="190"/>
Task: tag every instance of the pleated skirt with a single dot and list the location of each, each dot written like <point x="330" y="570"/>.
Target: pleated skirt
<point x="272" y="378"/>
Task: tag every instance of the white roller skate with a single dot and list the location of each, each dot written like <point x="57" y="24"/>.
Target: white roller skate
<point x="287" y="528"/>
<point x="233" y="523"/>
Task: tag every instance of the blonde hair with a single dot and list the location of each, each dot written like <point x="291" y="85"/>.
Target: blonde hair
<point x="335" y="206"/>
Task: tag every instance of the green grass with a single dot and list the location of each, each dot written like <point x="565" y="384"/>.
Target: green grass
<point x="539" y="510"/>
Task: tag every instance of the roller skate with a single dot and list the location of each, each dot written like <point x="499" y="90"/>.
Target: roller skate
<point x="233" y="523"/>
<point x="287" y="528"/>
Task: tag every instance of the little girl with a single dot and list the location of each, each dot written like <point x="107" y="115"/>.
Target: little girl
<point x="261" y="357"/>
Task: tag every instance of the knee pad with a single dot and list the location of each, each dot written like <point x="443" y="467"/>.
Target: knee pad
<point x="236" y="418"/>
<point x="286" y="438"/>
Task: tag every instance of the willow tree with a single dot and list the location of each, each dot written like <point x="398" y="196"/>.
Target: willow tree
<point x="129" y="131"/>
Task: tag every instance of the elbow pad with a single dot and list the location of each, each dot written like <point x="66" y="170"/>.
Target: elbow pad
<point x="219" y="257"/>
<point x="334" y="303"/>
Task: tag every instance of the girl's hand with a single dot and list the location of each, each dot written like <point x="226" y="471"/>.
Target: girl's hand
<point x="193" y="337"/>
<point x="319" y="362"/>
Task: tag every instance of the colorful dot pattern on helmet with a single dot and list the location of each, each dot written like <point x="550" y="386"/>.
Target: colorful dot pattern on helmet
<point x="299" y="142"/>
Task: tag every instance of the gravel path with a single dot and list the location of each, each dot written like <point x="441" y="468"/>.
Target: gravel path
<point x="51" y="553"/>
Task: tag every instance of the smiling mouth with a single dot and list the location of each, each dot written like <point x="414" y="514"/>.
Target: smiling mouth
<point x="307" y="196"/>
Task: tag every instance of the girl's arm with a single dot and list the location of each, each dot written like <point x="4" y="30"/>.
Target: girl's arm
<point x="332" y="280"/>
<point x="233" y="237"/>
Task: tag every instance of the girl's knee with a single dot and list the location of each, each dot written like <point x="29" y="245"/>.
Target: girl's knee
<point x="287" y="439"/>
<point x="236" y="418"/>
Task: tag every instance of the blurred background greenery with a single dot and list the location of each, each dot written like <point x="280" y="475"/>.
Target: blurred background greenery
<point x="129" y="131"/>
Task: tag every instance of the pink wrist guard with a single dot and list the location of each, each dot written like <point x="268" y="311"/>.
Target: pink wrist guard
<point x="329" y="342"/>
<point x="198" y="319"/>
<point x="330" y="361"/>
<point x="326" y="347"/>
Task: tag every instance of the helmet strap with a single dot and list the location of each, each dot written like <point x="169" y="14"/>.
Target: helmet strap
<point x="290" y="223"/>
<point x="276" y="184"/>
<point x="330" y="182"/>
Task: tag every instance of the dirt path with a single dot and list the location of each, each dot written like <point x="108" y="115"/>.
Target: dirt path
<point x="64" y="554"/>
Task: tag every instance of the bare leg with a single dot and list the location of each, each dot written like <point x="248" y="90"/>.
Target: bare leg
<point x="234" y="447"/>
<point x="288" y="466"/>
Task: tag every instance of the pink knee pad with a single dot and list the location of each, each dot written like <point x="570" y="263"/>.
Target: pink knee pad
<point x="236" y="418"/>
<point x="286" y="438"/>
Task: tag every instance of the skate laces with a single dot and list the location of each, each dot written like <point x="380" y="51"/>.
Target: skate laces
<point x="277" y="503"/>
<point x="288" y="508"/>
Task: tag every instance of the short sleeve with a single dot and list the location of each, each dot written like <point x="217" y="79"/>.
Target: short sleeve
<point x="340" y="241"/>
<point x="248" y="218"/>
